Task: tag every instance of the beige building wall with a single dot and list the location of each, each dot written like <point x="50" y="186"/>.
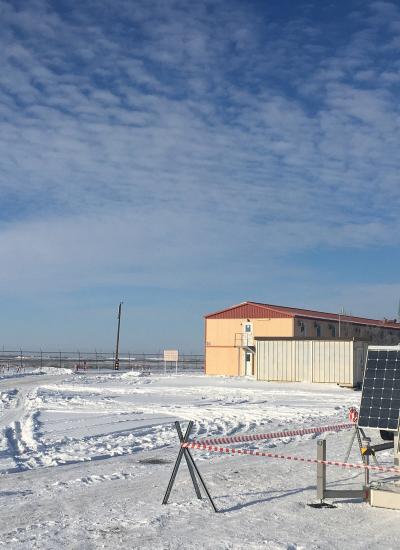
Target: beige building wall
<point x="223" y="354"/>
<point x="222" y="332"/>
<point x="225" y="361"/>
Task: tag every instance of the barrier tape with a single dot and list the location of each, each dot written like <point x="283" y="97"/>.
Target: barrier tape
<point x="273" y="435"/>
<point x="353" y="415"/>
<point x="215" y="449"/>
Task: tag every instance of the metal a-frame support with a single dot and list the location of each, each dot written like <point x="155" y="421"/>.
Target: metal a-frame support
<point x="192" y="467"/>
<point x="361" y="437"/>
<point x="366" y="450"/>
<point x="322" y="491"/>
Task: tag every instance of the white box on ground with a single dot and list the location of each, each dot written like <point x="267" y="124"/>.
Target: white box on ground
<point x="385" y="495"/>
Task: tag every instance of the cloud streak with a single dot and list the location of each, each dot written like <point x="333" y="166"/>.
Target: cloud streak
<point x="170" y="136"/>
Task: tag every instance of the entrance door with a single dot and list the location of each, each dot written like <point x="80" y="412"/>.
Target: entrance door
<point x="248" y="363"/>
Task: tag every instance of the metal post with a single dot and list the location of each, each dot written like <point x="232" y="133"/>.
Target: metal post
<point x="366" y="471"/>
<point x="321" y="469"/>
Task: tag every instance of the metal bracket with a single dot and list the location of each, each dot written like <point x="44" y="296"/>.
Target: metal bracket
<point x="322" y="491"/>
<point x="192" y="467"/>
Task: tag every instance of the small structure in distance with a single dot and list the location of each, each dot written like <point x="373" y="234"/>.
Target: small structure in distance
<point x="171" y="356"/>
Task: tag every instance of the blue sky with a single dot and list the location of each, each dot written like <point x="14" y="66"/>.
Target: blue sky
<point x="185" y="156"/>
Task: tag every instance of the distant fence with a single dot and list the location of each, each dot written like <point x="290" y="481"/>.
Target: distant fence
<point x="21" y="360"/>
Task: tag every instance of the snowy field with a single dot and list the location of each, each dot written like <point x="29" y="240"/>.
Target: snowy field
<point x="85" y="460"/>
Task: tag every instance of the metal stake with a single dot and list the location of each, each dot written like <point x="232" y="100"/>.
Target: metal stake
<point x="193" y="469"/>
<point x="177" y="462"/>
<point x="189" y="459"/>
<point x="201" y="480"/>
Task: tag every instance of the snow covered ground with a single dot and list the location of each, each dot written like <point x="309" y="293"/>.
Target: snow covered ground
<point x="85" y="460"/>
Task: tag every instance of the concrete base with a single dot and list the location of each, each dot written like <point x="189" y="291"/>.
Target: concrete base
<point x="385" y="495"/>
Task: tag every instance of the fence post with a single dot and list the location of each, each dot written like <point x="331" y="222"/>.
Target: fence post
<point x="321" y="469"/>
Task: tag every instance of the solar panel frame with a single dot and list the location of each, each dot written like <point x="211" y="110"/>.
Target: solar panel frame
<point x="380" y="398"/>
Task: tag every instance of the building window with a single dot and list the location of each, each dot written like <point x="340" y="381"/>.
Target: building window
<point x="318" y="330"/>
<point x="302" y="328"/>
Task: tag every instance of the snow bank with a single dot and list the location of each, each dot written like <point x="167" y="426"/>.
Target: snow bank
<point x="133" y="374"/>
<point x="56" y="371"/>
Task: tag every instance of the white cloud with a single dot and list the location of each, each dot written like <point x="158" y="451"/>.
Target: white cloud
<point x="171" y="136"/>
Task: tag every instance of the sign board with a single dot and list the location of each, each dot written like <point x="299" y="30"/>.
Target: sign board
<point x="171" y="355"/>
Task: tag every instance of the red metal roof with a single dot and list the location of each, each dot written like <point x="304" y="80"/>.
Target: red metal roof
<point x="255" y="310"/>
<point x="248" y="310"/>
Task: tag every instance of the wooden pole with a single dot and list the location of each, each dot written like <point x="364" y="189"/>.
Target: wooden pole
<point x="116" y="362"/>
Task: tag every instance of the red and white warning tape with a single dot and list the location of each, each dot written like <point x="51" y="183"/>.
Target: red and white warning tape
<point x="273" y="435"/>
<point x="214" y="449"/>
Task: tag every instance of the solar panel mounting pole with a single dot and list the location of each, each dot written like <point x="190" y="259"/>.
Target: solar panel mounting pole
<point x="116" y="362"/>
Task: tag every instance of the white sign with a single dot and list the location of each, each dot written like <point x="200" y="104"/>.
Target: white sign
<point x="171" y="355"/>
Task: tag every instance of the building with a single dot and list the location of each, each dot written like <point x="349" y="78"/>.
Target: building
<point x="273" y="342"/>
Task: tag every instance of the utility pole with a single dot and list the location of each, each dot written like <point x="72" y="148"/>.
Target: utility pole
<point x="116" y="362"/>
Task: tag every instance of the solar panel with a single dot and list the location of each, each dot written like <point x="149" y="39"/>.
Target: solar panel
<point x="380" y="399"/>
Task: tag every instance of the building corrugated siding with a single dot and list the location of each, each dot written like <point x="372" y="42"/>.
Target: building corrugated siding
<point x="300" y="360"/>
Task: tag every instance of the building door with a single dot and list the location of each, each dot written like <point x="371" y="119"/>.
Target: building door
<point x="248" y="363"/>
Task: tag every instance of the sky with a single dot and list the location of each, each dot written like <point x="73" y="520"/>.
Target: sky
<point x="185" y="156"/>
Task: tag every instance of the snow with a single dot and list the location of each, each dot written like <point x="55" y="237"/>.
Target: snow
<point x="85" y="460"/>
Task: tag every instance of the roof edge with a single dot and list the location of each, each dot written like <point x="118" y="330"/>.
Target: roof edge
<point x="276" y="309"/>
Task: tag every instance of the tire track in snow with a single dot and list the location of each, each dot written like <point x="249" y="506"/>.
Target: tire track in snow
<point x="17" y="422"/>
<point x="22" y="445"/>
